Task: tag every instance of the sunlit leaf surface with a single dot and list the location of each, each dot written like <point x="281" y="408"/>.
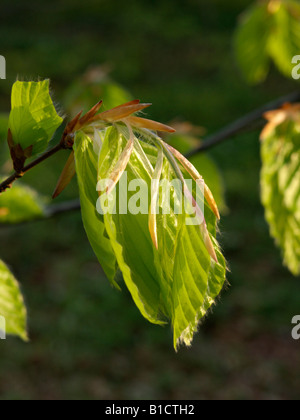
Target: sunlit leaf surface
<point x="11" y="304"/>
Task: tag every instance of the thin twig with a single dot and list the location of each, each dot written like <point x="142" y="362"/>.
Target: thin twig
<point x="16" y="175"/>
<point x="242" y="124"/>
<point x="61" y="208"/>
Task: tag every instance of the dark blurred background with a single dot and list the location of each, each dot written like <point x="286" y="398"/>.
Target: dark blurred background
<point x="88" y="341"/>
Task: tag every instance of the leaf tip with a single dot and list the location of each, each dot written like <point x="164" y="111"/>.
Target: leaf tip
<point x="153" y="229"/>
<point x="66" y="176"/>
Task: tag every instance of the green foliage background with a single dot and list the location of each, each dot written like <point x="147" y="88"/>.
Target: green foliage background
<point x="87" y="341"/>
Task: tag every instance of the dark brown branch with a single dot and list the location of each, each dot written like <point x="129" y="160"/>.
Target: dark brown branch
<point x="243" y="124"/>
<point x="16" y="175"/>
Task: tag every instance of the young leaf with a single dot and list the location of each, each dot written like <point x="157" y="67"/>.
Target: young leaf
<point x="284" y="40"/>
<point x="251" y="43"/>
<point x="12" y="306"/>
<point x="120" y="112"/>
<point x="129" y="233"/>
<point x="121" y="164"/>
<point x="191" y="279"/>
<point x="33" y="119"/>
<point x="280" y="186"/>
<point x="20" y="204"/>
<point x="86" y="169"/>
<point x="269" y="30"/>
<point x="149" y="124"/>
<point x="197" y="283"/>
<point x="154" y="277"/>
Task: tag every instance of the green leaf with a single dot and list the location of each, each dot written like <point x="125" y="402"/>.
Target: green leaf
<point x="197" y="283"/>
<point x="280" y="190"/>
<point x="12" y="306"/>
<point x="268" y="31"/>
<point x="284" y="41"/>
<point x="191" y="280"/>
<point x="129" y="233"/>
<point x="251" y="43"/>
<point x="20" y="204"/>
<point x="33" y="119"/>
<point x="179" y="281"/>
<point x="86" y="169"/>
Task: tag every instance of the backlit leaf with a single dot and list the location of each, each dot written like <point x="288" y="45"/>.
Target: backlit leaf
<point x="129" y="233"/>
<point x="284" y="40"/>
<point x="280" y="188"/>
<point x="269" y="30"/>
<point x="86" y="169"/>
<point x="191" y="280"/>
<point x="33" y="119"/>
<point x="178" y="281"/>
<point x="251" y="43"/>
<point x="11" y="304"/>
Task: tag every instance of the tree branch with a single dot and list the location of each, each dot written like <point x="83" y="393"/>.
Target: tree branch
<point x="251" y="121"/>
<point x="242" y="124"/>
<point x="61" y="208"/>
<point x="16" y="175"/>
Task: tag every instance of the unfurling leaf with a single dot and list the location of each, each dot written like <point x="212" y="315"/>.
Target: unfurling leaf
<point x="33" y="119"/>
<point x="118" y="170"/>
<point x="12" y="308"/>
<point x="178" y="280"/>
<point x="90" y="114"/>
<point x="149" y="124"/>
<point x="120" y="112"/>
<point x="280" y="181"/>
<point x="86" y="170"/>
